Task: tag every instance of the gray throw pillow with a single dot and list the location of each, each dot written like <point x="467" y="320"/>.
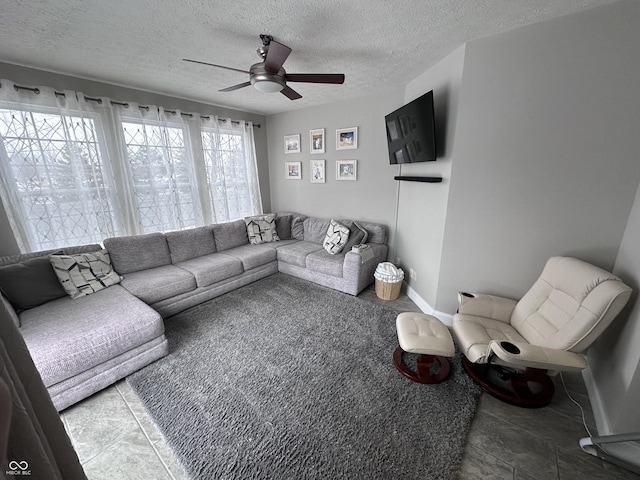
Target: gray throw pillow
<point x="283" y="226"/>
<point x="84" y="273"/>
<point x="30" y="283"/>
<point x="357" y="235"/>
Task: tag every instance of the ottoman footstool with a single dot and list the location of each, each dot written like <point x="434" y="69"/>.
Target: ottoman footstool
<point x="425" y="335"/>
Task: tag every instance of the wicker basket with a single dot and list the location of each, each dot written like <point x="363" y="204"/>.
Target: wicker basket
<point x="387" y="290"/>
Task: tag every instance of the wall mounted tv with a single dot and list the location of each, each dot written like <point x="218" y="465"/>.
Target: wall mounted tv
<point x="411" y="135"/>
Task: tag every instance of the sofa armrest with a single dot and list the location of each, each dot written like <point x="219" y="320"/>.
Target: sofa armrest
<point x="488" y="306"/>
<point x="522" y="354"/>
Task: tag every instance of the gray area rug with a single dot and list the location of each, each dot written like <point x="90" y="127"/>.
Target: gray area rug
<point x="285" y="379"/>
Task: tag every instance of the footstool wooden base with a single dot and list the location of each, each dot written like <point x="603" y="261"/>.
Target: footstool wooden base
<point x="425" y="335"/>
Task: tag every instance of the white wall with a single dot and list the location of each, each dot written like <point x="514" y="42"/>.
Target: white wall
<point x="546" y="151"/>
<point x="422" y="207"/>
<point x="372" y="196"/>
<point x="32" y="77"/>
<point x="614" y="373"/>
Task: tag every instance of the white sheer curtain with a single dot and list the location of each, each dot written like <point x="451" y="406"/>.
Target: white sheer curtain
<point x="76" y="170"/>
<point x="161" y="172"/>
<point x="231" y="168"/>
<point x="55" y="180"/>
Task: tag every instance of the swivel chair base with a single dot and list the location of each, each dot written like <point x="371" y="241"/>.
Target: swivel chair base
<point x="532" y="388"/>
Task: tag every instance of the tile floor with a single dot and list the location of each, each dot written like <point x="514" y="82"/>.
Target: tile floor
<point x="115" y="438"/>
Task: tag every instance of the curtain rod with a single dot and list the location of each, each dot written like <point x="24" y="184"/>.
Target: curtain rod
<point x="126" y="105"/>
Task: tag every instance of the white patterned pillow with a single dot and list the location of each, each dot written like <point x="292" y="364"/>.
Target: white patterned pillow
<point x="336" y="238"/>
<point x="261" y="229"/>
<point x="84" y="273"/>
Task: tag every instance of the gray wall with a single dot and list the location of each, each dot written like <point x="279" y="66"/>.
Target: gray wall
<point x="546" y="152"/>
<point x="32" y="77"/>
<point x="372" y="196"/>
<point x="422" y="207"/>
<point x="614" y="376"/>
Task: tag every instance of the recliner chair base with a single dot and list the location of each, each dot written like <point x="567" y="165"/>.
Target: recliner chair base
<point x="531" y="389"/>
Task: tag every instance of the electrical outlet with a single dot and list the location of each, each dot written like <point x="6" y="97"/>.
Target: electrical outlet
<point x="413" y="275"/>
<point x="397" y="260"/>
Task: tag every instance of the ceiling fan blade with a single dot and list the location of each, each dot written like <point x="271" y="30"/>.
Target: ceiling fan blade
<point x="214" y="65"/>
<point x="316" y="77"/>
<point x="235" y="87"/>
<point x="276" y="55"/>
<point x="291" y="93"/>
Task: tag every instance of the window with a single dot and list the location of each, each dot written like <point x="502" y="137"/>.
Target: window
<point x="75" y="170"/>
<point x="58" y="178"/>
<point x="227" y="174"/>
<point x="161" y="177"/>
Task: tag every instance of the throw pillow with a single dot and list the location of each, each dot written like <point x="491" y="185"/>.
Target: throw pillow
<point x="261" y="229"/>
<point x="30" y="283"/>
<point x="283" y="226"/>
<point x="84" y="273"/>
<point x="357" y="236"/>
<point x="336" y="238"/>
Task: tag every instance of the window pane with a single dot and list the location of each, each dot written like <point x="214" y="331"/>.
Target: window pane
<point x="57" y="173"/>
<point x="227" y="175"/>
<point x="161" y="178"/>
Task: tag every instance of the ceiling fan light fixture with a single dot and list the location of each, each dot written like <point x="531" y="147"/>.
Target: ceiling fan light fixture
<point x="268" y="86"/>
<point x="267" y="82"/>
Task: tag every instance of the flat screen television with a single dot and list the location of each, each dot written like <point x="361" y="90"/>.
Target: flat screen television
<point x="411" y="133"/>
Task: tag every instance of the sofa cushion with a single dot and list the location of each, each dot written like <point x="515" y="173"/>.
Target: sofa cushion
<point x="336" y="237"/>
<point x="159" y="283"/>
<point x="315" y="229"/>
<point x="283" y="226"/>
<point x="261" y="229"/>
<point x="253" y="256"/>
<point x="30" y="283"/>
<point x="138" y="252"/>
<point x="66" y="337"/>
<point x="230" y="234"/>
<point x="322" y="261"/>
<point x="190" y="243"/>
<point x="296" y="253"/>
<point x="214" y="268"/>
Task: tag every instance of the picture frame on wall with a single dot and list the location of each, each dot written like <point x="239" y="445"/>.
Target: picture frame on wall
<point x="317" y="171"/>
<point x="292" y="143"/>
<point x="316" y="140"/>
<point x="346" y="170"/>
<point x="293" y="170"/>
<point x="347" y="138"/>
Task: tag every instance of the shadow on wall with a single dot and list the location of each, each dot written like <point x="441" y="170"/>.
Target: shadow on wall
<point x="441" y="114"/>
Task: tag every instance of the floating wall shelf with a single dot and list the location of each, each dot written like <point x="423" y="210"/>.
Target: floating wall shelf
<point x="419" y="179"/>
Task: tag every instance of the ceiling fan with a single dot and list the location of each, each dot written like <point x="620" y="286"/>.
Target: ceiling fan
<point x="269" y="76"/>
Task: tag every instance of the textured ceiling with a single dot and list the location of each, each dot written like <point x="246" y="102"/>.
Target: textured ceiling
<point x="377" y="44"/>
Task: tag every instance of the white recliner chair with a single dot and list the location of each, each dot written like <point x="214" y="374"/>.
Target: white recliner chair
<point x="511" y="347"/>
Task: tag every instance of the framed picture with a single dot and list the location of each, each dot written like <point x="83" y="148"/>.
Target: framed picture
<point x="317" y="171"/>
<point x="292" y="143"/>
<point x="316" y="140"/>
<point x="293" y="170"/>
<point x="347" y="138"/>
<point x="346" y="169"/>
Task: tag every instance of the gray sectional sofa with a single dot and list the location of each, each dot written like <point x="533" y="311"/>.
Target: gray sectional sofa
<point x="82" y="345"/>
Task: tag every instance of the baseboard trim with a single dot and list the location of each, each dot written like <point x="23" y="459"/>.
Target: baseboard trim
<point x="445" y="318"/>
<point x="599" y="412"/>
